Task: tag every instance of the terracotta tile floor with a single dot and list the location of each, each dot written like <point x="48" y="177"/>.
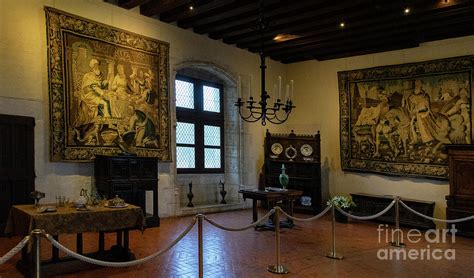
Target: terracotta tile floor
<point x="248" y="253"/>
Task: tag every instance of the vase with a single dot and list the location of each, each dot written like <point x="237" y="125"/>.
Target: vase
<point x="223" y="193"/>
<point x="284" y="179"/>
<point x="190" y="195"/>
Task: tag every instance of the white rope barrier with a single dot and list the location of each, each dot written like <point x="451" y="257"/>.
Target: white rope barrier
<point x="119" y="264"/>
<point x="307" y="219"/>
<point x="437" y="219"/>
<point x="254" y="224"/>
<point x="14" y="250"/>
<point x="367" y="217"/>
<point x="277" y="209"/>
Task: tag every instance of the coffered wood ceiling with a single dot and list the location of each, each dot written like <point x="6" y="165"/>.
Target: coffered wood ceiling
<point x="313" y="26"/>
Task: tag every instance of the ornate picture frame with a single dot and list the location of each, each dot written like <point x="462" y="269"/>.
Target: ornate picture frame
<point x="396" y="119"/>
<point x="108" y="90"/>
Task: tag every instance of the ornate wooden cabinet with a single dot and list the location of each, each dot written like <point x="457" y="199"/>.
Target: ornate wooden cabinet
<point x="301" y="155"/>
<point x="130" y="178"/>
<point x="460" y="200"/>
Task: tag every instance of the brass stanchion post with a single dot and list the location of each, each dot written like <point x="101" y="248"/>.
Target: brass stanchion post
<point x="37" y="255"/>
<point x="200" y="248"/>
<point x="397" y="242"/>
<point x="333" y="254"/>
<point x="278" y="268"/>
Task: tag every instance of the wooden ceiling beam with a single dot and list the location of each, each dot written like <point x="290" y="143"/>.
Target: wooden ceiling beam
<point x="369" y="26"/>
<point x="183" y="11"/>
<point x="291" y="24"/>
<point x="130" y="4"/>
<point x="224" y="18"/>
<point x="314" y="32"/>
<point x="213" y="10"/>
<point x="367" y="39"/>
<point x="318" y="32"/>
<point x="285" y="17"/>
<point x="360" y="48"/>
<point x="439" y="33"/>
<point x="353" y="51"/>
<point x="158" y="7"/>
<point x="166" y="9"/>
<point x="464" y="26"/>
<point x="273" y="9"/>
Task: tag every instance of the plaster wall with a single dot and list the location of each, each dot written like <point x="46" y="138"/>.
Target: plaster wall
<point x="317" y="91"/>
<point x="24" y="87"/>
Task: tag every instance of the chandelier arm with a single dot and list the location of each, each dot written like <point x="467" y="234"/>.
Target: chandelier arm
<point x="274" y="119"/>
<point x="278" y="120"/>
<point x="251" y="116"/>
<point x="251" y="120"/>
<point x="273" y="110"/>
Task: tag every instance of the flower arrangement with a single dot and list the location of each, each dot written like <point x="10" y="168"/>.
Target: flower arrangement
<point x="341" y="202"/>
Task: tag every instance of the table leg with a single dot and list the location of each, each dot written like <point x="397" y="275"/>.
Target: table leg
<point x="79" y="243"/>
<point x="24" y="255"/>
<point x="101" y="241"/>
<point x="55" y="251"/>
<point x="254" y="210"/>
<point x="125" y="239"/>
<point x="270" y="222"/>
<point x="290" y="212"/>
<point x="119" y="238"/>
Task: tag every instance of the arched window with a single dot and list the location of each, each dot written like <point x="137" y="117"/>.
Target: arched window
<point x="206" y="79"/>
<point x="199" y="126"/>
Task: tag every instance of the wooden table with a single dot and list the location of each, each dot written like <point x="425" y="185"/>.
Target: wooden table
<point x="271" y="197"/>
<point x="23" y="219"/>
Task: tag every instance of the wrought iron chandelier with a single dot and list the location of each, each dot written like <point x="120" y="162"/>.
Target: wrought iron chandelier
<point x="261" y="110"/>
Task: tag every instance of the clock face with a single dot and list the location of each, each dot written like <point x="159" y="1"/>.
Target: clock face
<point x="306" y="150"/>
<point x="277" y="148"/>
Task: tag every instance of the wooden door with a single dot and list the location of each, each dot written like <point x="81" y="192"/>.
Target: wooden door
<point x="17" y="174"/>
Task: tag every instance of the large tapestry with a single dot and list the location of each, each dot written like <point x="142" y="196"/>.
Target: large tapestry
<point x="108" y="90"/>
<point x="395" y="120"/>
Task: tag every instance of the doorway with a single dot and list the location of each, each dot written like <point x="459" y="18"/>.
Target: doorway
<point x="17" y="174"/>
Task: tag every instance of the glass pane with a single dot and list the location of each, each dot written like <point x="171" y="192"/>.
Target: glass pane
<point x="212" y="158"/>
<point x="184" y="94"/>
<point x="212" y="100"/>
<point x="185" y="157"/>
<point x="212" y="135"/>
<point x="184" y="133"/>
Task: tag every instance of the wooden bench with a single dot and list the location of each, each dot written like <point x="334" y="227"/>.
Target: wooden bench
<point x="369" y="204"/>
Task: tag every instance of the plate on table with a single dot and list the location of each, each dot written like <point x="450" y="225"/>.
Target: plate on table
<point x="83" y="208"/>
<point x="121" y="206"/>
<point x="47" y="209"/>
<point x="275" y="189"/>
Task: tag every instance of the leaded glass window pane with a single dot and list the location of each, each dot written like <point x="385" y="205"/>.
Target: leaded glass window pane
<point x="212" y="135"/>
<point x="184" y="133"/>
<point x="212" y="158"/>
<point x="184" y="94"/>
<point x="211" y="98"/>
<point x="185" y="157"/>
